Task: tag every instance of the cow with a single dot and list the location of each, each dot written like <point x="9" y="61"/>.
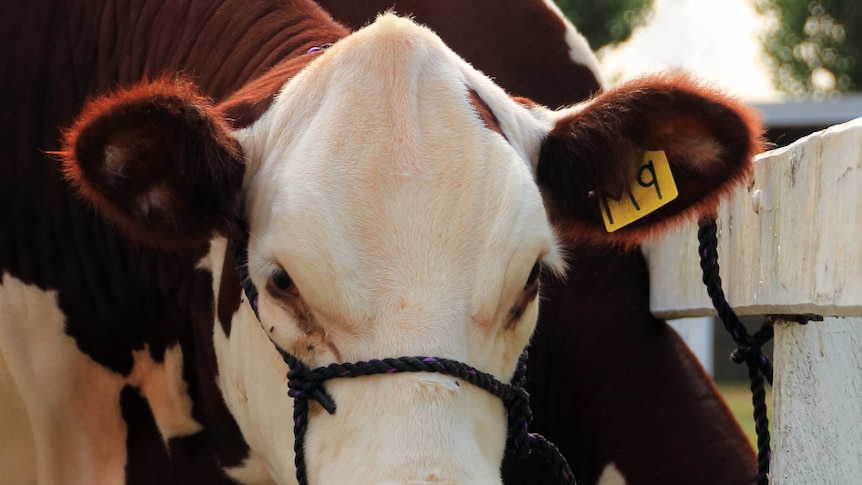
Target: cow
<point x="604" y="374"/>
<point x="393" y="202"/>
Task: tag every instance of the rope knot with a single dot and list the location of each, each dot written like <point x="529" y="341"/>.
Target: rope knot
<point x="750" y="349"/>
<point x="307" y="384"/>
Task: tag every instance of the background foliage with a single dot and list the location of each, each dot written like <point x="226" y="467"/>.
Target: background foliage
<point x="814" y="46"/>
<point x="605" y="22"/>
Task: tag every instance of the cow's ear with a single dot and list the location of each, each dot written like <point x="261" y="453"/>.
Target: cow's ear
<point x="595" y="153"/>
<point x="157" y="161"/>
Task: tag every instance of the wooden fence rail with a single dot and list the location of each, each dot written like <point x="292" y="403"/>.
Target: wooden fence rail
<point x="791" y="243"/>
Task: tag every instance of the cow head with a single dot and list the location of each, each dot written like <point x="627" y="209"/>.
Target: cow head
<point x="397" y="203"/>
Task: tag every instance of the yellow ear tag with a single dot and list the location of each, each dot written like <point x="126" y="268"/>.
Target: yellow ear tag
<point x="652" y="188"/>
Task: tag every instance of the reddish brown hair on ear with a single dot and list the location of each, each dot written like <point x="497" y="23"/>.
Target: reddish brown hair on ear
<point x="155" y="161"/>
<point x="709" y="138"/>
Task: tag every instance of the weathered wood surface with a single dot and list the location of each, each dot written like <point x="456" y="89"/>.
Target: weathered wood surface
<point x="790" y="243"/>
<point x="818" y="412"/>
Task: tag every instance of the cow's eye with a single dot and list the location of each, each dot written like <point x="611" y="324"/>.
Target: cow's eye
<point x="281" y="280"/>
<point x="535" y="274"/>
<point x="282" y="287"/>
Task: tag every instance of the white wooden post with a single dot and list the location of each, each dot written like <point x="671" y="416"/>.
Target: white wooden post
<point x="791" y="243"/>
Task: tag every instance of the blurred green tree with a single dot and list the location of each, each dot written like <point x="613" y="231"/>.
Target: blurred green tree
<point x="606" y="22"/>
<point x="814" y="47"/>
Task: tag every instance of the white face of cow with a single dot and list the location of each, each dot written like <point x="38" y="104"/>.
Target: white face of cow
<point x="388" y="220"/>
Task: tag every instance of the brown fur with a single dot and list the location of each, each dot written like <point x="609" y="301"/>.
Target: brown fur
<point x="485" y="113"/>
<point x="709" y="138"/>
<point x="245" y="106"/>
<point x="157" y="138"/>
<point x="229" y="293"/>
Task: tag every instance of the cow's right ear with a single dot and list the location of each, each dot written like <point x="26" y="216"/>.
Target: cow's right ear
<point x="157" y="161"/>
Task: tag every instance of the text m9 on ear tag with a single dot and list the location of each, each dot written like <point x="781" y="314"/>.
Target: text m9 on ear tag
<point x="652" y="188"/>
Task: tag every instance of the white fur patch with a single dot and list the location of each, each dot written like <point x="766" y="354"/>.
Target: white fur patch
<point x="253" y="382"/>
<point x="71" y="428"/>
<point x="18" y="453"/>
<point x="579" y="48"/>
<point x="611" y="476"/>
<point x="116" y="159"/>
<point x="156" y="199"/>
<point x="166" y="391"/>
<point x="253" y="471"/>
<point x="60" y="416"/>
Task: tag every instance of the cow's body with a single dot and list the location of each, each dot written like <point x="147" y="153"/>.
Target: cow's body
<point x="631" y="384"/>
<point x="126" y="352"/>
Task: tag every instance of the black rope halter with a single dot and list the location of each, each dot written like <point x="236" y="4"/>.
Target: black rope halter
<point x="306" y="384"/>
<point x="749" y="348"/>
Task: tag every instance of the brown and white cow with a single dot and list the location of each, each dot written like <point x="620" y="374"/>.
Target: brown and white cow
<point x="604" y="374"/>
<point x="397" y="202"/>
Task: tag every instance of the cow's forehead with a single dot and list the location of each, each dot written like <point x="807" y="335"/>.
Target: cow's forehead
<point x="376" y="173"/>
<point x="391" y="64"/>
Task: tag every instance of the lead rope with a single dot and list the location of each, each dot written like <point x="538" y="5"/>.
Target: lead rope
<point x="306" y="385"/>
<point x="749" y="348"/>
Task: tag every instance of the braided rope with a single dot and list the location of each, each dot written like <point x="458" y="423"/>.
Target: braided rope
<point x="305" y="384"/>
<point x="749" y="348"/>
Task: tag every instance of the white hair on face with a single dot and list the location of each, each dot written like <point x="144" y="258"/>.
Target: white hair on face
<point x="407" y="227"/>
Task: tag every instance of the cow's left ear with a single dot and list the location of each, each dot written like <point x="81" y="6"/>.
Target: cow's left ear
<point x="158" y="162"/>
<point x="595" y="153"/>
